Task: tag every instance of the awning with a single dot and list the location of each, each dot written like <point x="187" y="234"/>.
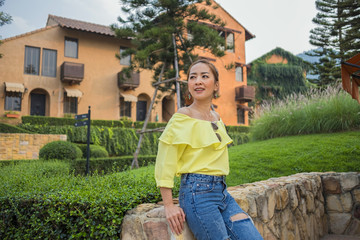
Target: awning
<point x="73" y="92"/>
<point x="14" y="87"/>
<point x="246" y="108"/>
<point x="129" y="97"/>
<point x="350" y="74"/>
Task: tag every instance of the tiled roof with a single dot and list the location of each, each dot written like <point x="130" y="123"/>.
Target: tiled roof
<point x="79" y="25"/>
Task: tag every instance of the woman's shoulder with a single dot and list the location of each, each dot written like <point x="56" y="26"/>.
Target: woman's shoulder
<point x="216" y="114"/>
<point x="184" y="110"/>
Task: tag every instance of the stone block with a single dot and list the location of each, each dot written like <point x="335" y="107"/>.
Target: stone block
<point x="354" y="228"/>
<point x="346" y="202"/>
<point x="156" y="230"/>
<point x="356" y="193"/>
<point x="333" y="203"/>
<point x="270" y="195"/>
<point x="349" y="181"/>
<point x="252" y="206"/>
<point x="293" y="197"/>
<point x="156" y="213"/>
<point x="310" y="202"/>
<point x="131" y="228"/>
<point x="339" y="222"/>
<point x="262" y="208"/>
<point x="300" y="224"/>
<point x="331" y="184"/>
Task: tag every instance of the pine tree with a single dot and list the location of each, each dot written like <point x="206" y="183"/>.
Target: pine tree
<point x="4" y="18"/>
<point x="151" y="25"/>
<point x="336" y="36"/>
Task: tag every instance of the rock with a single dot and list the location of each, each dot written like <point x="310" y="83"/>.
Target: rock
<point x="356" y="193"/>
<point x="331" y="185"/>
<point x="346" y="201"/>
<point x="310" y="203"/>
<point x="339" y="222"/>
<point x="156" y="230"/>
<point x="262" y="209"/>
<point x="333" y="203"/>
<point x="156" y="213"/>
<point x="271" y="203"/>
<point x="293" y="197"/>
<point x="349" y="181"/>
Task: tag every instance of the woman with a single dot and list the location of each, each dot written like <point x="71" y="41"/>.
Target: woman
<point x="194" y="145"/>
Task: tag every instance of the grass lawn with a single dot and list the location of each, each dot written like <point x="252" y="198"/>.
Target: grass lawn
<point x="284" y="156"/>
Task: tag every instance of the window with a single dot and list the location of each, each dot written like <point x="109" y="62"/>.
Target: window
<point x="240" y="115"/>
<point x="70" y="104"/>
<point x="125" y="108"/>
<point x="229" y="40"/>
<point x="13" y="101"/>
<point x="32" y="60"/>
<point x="48" y="67"/>
<point x="71" y="47"/>
<point x="239" y="73"/>
<point x="124" y="60"/>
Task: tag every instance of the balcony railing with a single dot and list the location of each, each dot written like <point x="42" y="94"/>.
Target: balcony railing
<point x="245" y="94"/>
<point x="128" y="82"/>
<point x="72" y="72"/>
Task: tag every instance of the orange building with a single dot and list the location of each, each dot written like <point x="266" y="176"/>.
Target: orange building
<point x="63" y="68"/>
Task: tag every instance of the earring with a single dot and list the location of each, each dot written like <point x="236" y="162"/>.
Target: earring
<point x="189" y="96"/>
<point x="216" y="95"/>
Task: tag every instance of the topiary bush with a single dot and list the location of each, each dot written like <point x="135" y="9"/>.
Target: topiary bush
<point x="60" y="150"/>
<point x="96" y="151"/>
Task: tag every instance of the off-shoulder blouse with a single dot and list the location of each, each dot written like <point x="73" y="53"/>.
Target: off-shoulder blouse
<point x="190" y="145"/>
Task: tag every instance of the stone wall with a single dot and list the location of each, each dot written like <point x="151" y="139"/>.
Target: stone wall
<point x="300" y="206"/>
<point x="24" y="146"/>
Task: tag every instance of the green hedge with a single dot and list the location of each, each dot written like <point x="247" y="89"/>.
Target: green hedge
<point x="239" y="129"/>
<point x="7" y="128"/>
<point x="117" y="141"/>
<point x="37" y="205"/>
<point x="109" y="165"/>
<point x="54" y="121"/>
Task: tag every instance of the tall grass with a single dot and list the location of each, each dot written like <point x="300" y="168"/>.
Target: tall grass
<point x="315" y="111"/>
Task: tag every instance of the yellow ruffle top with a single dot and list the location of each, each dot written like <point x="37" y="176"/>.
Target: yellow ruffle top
<point x="190" y="145"/>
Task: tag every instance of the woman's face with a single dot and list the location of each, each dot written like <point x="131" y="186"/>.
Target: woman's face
<point x="201" y="82"/>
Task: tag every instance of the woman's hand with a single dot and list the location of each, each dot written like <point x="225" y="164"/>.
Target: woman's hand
<point x="174" y="214"/>
<point x="175" y="217"/>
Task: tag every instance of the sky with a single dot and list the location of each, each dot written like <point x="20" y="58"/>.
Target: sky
<point x="275" y="23"/>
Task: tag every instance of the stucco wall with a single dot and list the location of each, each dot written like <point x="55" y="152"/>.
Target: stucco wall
<point x="301" y="206"/>
<point x="24" y="146"/>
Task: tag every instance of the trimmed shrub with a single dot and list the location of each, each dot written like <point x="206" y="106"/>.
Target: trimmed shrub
<point x="60" y="150"/>
<point x="95" y="151"/>
<point x="238" y="129"/>
<point x="110" y="165"/>
<point x="7" y="128"/>
<point x="58" y="206"/>
<point x="54" y="121"/>
<point x="117" y="141"/>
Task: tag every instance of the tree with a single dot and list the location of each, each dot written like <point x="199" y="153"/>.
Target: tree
<point x="337" y="36"/>
<point x="151" y="25"/>
<point x="4" y="18"/>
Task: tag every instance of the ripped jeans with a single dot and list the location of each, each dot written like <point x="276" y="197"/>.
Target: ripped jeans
<point x="209" y="209"/>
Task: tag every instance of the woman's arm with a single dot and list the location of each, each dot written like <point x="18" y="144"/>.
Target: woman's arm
<point x="174" y="214"/>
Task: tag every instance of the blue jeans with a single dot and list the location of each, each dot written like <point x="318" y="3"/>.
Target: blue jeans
<point x="209" y="207"/>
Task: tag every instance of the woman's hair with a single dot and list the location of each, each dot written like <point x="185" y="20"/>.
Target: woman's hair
<point x="214" y="71"/>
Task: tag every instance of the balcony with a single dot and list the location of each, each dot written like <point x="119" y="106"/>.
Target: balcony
<point x="128" y="82"/>
<point x="245" y="94"/>
<point x="72" y="72"/>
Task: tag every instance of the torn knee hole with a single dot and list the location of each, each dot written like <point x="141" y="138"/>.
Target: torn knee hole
<point x="239" y="216"/>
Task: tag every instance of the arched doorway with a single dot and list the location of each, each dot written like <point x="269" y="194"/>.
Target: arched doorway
<point x="167" y="108"/>
<point x="39" y="102"/>
<point x="142" y="106"/>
